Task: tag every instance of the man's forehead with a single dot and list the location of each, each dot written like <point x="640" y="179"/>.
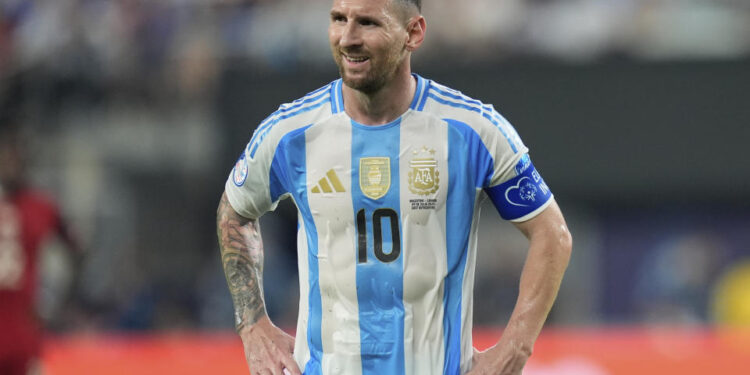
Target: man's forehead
<point x="362" y="6"/>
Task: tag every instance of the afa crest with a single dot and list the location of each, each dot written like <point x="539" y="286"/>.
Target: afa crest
<point x="424" y="178"/>
<point x="375" y="176"/>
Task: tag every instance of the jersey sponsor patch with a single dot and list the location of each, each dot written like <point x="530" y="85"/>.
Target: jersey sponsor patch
<point x="522" y="194"/>
<point x="239" y="173"/>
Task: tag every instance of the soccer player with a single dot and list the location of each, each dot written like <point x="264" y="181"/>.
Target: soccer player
<point x="387" y="170"/>
<point x="27" y="218"/>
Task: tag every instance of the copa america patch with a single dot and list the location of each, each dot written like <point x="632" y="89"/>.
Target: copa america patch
<point x="522" y="194"/>
<point x="239" y="173"/>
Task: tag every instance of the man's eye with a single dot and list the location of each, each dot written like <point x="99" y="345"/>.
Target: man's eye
<point x="338" y="19"/>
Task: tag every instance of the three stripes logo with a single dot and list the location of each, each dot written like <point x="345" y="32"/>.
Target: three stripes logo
<point x="329" y="184"/>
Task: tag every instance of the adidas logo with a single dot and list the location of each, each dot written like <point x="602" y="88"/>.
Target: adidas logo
<point x="329" y="184"/>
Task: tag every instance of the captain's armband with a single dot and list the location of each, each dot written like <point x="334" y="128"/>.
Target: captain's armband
<point x="523" y="196"/>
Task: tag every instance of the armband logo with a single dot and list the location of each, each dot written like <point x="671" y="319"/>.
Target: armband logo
<point x="520" y="195"/>
<point x="527" y="190"/>
<point x="239" y="174"/>
<point x="523" y="194"/>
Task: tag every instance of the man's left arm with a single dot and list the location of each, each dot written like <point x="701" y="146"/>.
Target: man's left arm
<point x="550" y="245"/>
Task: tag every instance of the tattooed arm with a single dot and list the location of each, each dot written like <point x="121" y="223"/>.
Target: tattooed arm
<point x="242" y="259"/>
<point x="267" y="348"/>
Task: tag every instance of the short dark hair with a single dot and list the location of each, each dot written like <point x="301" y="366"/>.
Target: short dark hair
<point x="416" y="3"/>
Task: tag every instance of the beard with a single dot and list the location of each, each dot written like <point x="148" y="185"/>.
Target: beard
<point x="379" y="74"/>
<point x="370" y="83"/>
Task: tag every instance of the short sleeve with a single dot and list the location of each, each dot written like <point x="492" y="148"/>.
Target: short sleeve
<point x="516" y="188"/>
<point x="249" y="185"/>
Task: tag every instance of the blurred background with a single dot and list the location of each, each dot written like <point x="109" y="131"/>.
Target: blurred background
<point x="637" y="114"/>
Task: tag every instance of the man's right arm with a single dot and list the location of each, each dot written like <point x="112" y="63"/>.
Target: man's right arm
<point x="267" y="348"/>
<point x="242" y="259"/>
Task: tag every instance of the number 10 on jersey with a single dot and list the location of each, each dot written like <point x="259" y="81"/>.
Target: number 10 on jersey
<point x="377" y="234"/>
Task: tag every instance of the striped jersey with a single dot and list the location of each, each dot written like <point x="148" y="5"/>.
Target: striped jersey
<point x="387" y="223"/>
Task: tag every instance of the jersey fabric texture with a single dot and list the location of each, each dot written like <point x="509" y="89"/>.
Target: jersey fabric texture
<point x="387" y="223"/>
<point x="27" y="218"/>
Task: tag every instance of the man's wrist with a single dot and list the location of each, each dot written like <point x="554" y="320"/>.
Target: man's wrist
<point x="245" y="324"/>
<point x="518" y="347"/>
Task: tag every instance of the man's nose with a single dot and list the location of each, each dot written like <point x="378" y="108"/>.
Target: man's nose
<point x="350" y="35"/>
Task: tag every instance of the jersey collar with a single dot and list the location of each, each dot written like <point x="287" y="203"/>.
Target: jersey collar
<point x="337" y="97"/>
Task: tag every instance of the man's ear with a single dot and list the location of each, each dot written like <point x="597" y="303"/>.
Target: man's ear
<point x="415" y="30"/>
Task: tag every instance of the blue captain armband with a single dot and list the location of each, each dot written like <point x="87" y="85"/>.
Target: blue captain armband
<point x="521" y="195"/>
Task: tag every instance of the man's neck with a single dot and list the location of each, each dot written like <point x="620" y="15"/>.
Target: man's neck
<point x="383" y="106"/>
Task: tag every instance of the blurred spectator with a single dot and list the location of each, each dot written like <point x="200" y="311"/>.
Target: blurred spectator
<point x="132" y="37"/>
<point x="28" y="218"/>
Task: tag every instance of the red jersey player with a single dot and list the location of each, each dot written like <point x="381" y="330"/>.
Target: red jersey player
<point x="27" y="219"/>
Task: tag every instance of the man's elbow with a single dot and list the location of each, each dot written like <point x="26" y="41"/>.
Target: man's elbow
<point x="224" y="208"/>
<point x="564" y="242"/>
<point x="224" y="211"/>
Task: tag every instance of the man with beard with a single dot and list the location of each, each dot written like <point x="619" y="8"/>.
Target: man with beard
<point x="387" y="170"/>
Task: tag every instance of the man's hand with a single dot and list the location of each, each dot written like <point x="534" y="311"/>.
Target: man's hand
<point x="501" y="359"/>
<point x="268" y="349"/>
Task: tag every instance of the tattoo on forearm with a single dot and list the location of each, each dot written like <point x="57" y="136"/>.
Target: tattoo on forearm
<point x="242" y="259"/>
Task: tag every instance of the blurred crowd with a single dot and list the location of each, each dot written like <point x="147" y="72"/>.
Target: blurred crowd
<point x="119" y="103"/>
<point x="120" y="38"/>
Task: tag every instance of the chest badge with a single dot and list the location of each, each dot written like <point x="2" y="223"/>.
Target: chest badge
<point x="424" y="179"/>
<point x="375" y="176"/>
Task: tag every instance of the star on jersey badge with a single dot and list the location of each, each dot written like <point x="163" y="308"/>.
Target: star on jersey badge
<point x="375" y="176"/>
<point x="424" y="179"/>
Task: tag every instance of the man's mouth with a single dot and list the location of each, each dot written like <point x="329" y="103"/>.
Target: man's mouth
<point x="356" y="59"/>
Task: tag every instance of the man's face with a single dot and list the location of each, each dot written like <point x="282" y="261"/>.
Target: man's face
<point x="368" y="41"/>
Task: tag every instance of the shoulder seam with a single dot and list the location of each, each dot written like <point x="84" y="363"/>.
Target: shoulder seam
<point x="309" y="98"/>
<point x="263" y="130"/>
<point x="457" y="99"/>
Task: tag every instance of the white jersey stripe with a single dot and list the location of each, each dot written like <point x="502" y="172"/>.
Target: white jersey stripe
<point x="336" y="238"/>
<point x="301" y="348"/>
<point x="424" y="262"/>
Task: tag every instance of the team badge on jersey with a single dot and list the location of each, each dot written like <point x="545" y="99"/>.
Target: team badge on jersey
<point x="424" y="179"/>
<point x="375" y="176"/>
<point x="239" y="174"/>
